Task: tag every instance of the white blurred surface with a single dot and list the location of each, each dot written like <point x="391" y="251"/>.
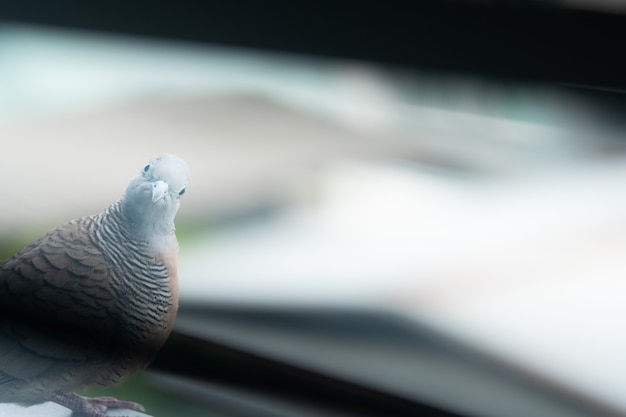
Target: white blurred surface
<point x="390" y="227"/>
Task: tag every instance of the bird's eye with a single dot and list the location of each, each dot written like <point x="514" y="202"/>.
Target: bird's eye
<point x="146" y="168"/>
<point x="181" y="192"/>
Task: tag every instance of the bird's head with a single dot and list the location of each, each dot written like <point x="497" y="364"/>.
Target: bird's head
<point x="152" y="198"/>
<point x="166" y="176"/>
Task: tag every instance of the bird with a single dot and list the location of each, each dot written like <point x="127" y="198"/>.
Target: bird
<point x="91" y="302"/>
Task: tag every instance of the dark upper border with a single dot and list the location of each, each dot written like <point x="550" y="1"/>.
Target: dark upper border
<point x="507" y="39"/>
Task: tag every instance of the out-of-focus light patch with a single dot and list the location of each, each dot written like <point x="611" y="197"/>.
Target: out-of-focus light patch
<point x="46" y="72"/>
<point x="334" y="253"/>
<point x="408" y="232"/>
<point x="363" y="99"/>
<point x="388" y="202"/>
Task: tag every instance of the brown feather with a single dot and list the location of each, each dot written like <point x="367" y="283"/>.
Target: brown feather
<point x="58" y="314"/>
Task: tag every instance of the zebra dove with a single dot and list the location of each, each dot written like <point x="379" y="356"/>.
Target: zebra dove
<point x="91" y="302"/>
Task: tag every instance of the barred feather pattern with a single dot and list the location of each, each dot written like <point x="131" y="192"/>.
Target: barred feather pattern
<point x="140" y="283"/>
<point x="84" y="305"/>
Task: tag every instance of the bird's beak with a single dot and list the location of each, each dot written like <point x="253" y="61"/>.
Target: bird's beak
<point x="159" y="190"/>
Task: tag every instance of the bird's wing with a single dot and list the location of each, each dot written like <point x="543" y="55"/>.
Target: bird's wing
<point x="57" y="307"/>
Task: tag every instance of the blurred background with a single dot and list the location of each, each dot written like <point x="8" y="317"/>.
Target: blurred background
<point x="454" y="239"/>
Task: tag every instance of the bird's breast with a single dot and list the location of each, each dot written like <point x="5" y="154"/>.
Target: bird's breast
<point x="170" y="260"/>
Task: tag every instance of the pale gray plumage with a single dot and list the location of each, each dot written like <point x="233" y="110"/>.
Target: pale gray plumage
<point x="91" y="302"/>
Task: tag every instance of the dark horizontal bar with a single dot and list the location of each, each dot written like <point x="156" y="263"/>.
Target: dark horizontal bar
<point x="208" y="361"/>
<point x="511" y="39"/>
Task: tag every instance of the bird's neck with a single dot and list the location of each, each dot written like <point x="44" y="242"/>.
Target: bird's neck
<point x="154" y="228"/>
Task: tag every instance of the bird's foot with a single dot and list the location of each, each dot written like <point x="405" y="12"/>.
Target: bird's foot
<point x="92" y="407"/>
